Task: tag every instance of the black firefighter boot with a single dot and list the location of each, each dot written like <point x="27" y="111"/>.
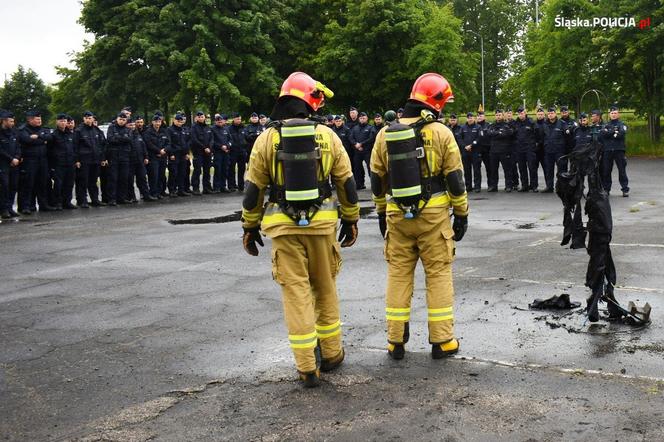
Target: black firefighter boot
<point x="332" y="363"/>
<point x="591" y="306"/>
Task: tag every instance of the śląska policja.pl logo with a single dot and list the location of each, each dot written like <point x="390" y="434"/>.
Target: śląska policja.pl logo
<point x="602" y="22"/>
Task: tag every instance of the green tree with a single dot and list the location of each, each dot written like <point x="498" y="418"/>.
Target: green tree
<point x="25" y="91"/>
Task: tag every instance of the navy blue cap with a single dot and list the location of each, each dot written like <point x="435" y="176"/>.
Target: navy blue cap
<point x="33" y="113"/>
<point x="453" y="116"/>
<point x="613" y="108"/>
<point x="353" y="108"/>
<point x="61" y="116"/>
<point x="235" y="114"/>
<point x="6" y="114"/>
<point x="254" y="114"/>
<point x="69" y="118"/>
<point x="377" y="114"/>
<point x="469" y="114"/>
<point x="199" y="113"/>
<point x="362" y="114"/>
<point x="126" y="108"/>
<point x="499" y="111"/>
<point x="552" y="109"/>
<point x="157" y="117"/>
<point x="179" y="116"/>
<point x="329" y="117"/>
<point x="338" y="117"/>
<point x="160" y="113"/>
<point x="595" y="112"/>
<point x="564" y="109"/>
<point x="520" y="109"/>
<point x="138" y="117"/>
<point x="262" y="116"/>
<point x="400" y="110"/>
<point x="508" y="109"/>
<point x="131" y="120"/>
<point x="539" y="109"/>
<point x="122" y="115"/>
<point x="583" y="115"/>
<point x="88" y="114"/>
<point x="480" y="113"/>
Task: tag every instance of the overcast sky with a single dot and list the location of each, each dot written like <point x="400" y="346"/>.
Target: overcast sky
<point x="39" y="34"/>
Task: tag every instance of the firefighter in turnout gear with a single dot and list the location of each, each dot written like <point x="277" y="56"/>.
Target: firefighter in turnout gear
<point x="416" y="178"/>
<point x="296" y="162"/>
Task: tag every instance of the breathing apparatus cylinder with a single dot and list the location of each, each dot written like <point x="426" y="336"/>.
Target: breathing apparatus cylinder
<point x="300" y="159"/>
<point x="404" y="157"/>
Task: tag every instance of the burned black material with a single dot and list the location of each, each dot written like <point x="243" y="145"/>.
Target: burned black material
<point x="557" y="302"/>
<point x="601" y="272"/>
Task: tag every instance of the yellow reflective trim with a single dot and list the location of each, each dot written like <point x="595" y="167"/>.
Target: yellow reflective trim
<point x="439" y="200"/>
<point x="327" y="331"/>
<point x="250" y="216"/>
<point x="458" y="200"/>
<point x="444" y="317"/>
<point x="292" y="91"/>
<point x="396" y="317"/>
<point x="400" y="135"/>
<point x="420" y="96"/>
<point x="440" y="310"/>
<point x="303" y="341"/>
<point x="431" y="158"/>
<point x="350" y="212"/>
<point x="407" y="191"/>
<point x="298" y="131"/>
<point x="281" y="218"/>
<point x="327" y="164"/>
<point x="301" y="195"/>
<point x="378" y="199"/>
<point x="328" y="327"/>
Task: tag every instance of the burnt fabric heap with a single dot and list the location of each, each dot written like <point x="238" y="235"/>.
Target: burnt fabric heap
<point x="601" y="273"/>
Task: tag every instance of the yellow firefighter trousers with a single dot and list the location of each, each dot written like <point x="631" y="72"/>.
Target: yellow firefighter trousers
<point x="428" y="237"/>
<point x="306" y="267"/>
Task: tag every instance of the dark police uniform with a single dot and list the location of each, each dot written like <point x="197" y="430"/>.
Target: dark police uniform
<point x="89" y="143"/>
<point x="555" y="136"/>
<point x="185" y="167"/>
<point x="137" y="171"/>
<point x="539" y="146"/>
<point x="238" y="157"/>
<point x="470" y="134"/>
<point x="201" y="138"/>
<point x="221" y="137"/>
<point x="583" y="135"/>
<point x="343" y="132"/>
<point x="482" y="155"/>
<point x="177" y="163"/>
<point x="365" y="134"/>
<point x="62" y="156"/>
<point x="118" y="150"/>
<point x="526" y="155"/>
<point x="9" y="151"/>
<point x="155" y="141"/>
<point x="34" y="182"/>
<point x="501" y="134"/>
<point x="613" y="139"/>
<point x="252" y="131"/>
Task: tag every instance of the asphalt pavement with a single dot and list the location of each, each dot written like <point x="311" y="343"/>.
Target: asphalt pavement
<point x="150" y="322"/>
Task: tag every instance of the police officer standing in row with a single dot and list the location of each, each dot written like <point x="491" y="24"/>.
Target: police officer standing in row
<point x="238" y="156"/>
<point x="10" y="158"/>
<point x="481" y="155"/>
<point x="138" y="160"/>
<point x="221" y="147"/>
<point x="178" y="157"/>
<point x="201" y="148"/>
<point x="353" y="118"/>
<point x="526" y="155"/>
<point x="613" y="137"/>
<point x="157" y="142"/>
<point x="63" y="164"/>
<point x="469" y="146"/>
<point x="89" y="145"/>
<point x="34" y="181"/>
<point x="362" y="138"/>
<point x="118" y="149"/>
<point x="555" y="135"/>
<point x="252" y="131"/>
<point x="501" y="135"/>
<point x="343" y="132"/>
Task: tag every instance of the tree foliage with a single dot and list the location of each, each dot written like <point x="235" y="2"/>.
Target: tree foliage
<point x="25" y="91"/>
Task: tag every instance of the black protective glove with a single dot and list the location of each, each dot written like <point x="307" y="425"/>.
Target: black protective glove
<point x="250" y="238"/>
<point x="348" y="233"/>
<point x="382" y="223"/>
<point x="460" y="226"/>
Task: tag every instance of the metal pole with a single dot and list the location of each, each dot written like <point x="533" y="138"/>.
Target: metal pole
<point x="536" y="12"/>
<point x="482" y="50"/>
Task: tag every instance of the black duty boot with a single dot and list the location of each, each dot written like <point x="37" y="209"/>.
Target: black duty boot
<point x="13" y="213"/>
<point x="5" y="214"/>
<point x="332" y="363"/>
<point x="396" y="351"/>
<point x="311" y="379"/>
<point x="445" y="349"/>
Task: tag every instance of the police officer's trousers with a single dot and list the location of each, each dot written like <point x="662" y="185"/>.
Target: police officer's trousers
<point x="63" y="184"/>
<point x="35" y="182"/>
<point x="8" y="185"/>
<point x="480" y="155"/>
<point x="239" y="160"/>
<point x="221" y="169"/>
<point x="137" y="175"/>
<point x="201" y="162"/>
<point x="551" y="162"/>
<point x="86" y="182"/>
<point x="505" y="159"/>
<point x="428" y="237"/>
<point x="156" y="175"/>
<point x="360" y="158"/>
<point x="608" y="158"/>
<point x="306" y="267"/>
<point x="528" y="169"/>
<point x="467" y="160"/>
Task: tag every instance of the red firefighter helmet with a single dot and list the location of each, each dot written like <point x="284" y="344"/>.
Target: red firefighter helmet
<point x="301" y="85"/>
<point x="433" y="90"/>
